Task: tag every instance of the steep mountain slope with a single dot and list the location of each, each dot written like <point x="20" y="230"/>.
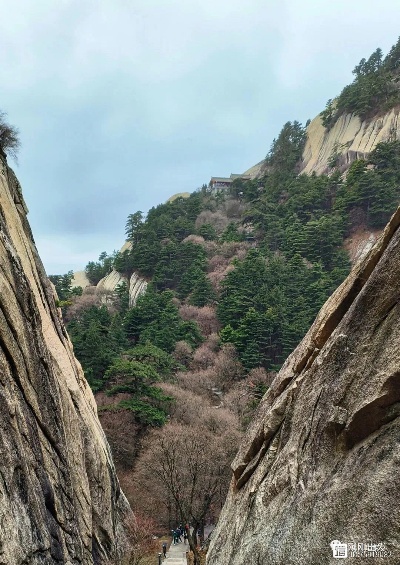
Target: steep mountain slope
<point x="60" y="497"/>
<point x="320" y="461"/>
<point x="237" y="272"/>
<point x="349" y="139"/>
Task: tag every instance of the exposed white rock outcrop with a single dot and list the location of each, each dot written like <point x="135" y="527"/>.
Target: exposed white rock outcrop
<point x="359" y="243"/>
<point x="109" y="283"/>
<point x="349" y="138"/>
<point x="137" y="286"/>
<point x="80" y="279"/>
<point x="256" y="171"/>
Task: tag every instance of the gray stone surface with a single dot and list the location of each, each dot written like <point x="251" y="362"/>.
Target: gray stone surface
<point x="60" y="500"/>
<point x="320" y="461"/>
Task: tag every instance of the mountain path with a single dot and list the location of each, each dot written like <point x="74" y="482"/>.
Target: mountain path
<point x="176" y="555"/>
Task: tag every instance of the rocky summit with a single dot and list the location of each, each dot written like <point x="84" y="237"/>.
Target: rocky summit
<point x="60" y="497"/>
<point x="316" y="477"/>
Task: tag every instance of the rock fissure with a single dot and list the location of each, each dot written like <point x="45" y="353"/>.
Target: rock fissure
<point x="43" y="428"/>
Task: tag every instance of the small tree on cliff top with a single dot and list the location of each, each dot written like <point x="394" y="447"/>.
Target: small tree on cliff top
<point x="9" y="140"/>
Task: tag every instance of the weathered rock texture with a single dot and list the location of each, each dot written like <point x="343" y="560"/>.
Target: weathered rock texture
<point x="320" y="462"/>
<point x="137" y="286"/>
<point x="110" y="282"/>
<point x="80" y="279"/>
<point x="349" y="139"/>
<point x="60" y="500"/>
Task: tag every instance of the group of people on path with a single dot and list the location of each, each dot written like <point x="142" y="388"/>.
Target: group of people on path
<point x="179" y="533"/>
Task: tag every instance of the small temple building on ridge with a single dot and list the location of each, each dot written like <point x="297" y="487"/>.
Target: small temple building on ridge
<point x="221" y="183"/>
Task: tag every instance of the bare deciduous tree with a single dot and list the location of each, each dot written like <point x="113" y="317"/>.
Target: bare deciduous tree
<point x="183" y="353"/>
<point x="191" y="466"/>
<point x="139" y="530"/>
<point x="197" y="239"/>
<point x="205" y="317"/>
<point x="218" y="220"/>
<point x="243" y="398"/>
<point x="188" y="408"/>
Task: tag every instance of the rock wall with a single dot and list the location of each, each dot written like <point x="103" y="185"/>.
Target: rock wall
<point x="109" y="283"/>
<point x="320" y="460"/>
<point x="60" y="497"/>
<point x="349" y="138"/>
<point x="80" y="279"/>
<point x="137" y="286"/>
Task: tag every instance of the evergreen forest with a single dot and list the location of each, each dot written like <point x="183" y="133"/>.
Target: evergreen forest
<point x="375" y="88"/>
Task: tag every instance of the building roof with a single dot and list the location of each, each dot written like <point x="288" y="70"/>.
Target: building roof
<point x="220" y="179"/>
<point x="244" y="177"/>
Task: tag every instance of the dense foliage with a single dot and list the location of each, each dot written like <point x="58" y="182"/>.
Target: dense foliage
<point x="375" y="88"/>
<point x="96" y="270"/>
<point x="135" y="373"/>
<point x="155" y="241"/>
<point x="155" y="319"/>
<point x="291" y="230"/>
<point x="64" y="288"/>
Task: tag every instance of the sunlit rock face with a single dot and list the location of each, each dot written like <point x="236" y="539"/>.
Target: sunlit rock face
<point x="60" y="497"/>
<point x="136" y="285"/>
<point x="320" y="461"/>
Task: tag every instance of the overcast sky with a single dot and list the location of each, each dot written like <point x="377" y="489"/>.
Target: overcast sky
<point x="122" y="103"/>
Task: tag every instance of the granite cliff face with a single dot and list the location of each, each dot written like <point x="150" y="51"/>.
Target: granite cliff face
<point x="349" y="139"/>
<point x="320" y="461"/>
<point x="60" y="497"/>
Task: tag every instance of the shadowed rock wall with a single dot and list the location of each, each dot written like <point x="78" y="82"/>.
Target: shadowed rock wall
<point x="320" y="461"/>
<point x="60" y="500"/>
